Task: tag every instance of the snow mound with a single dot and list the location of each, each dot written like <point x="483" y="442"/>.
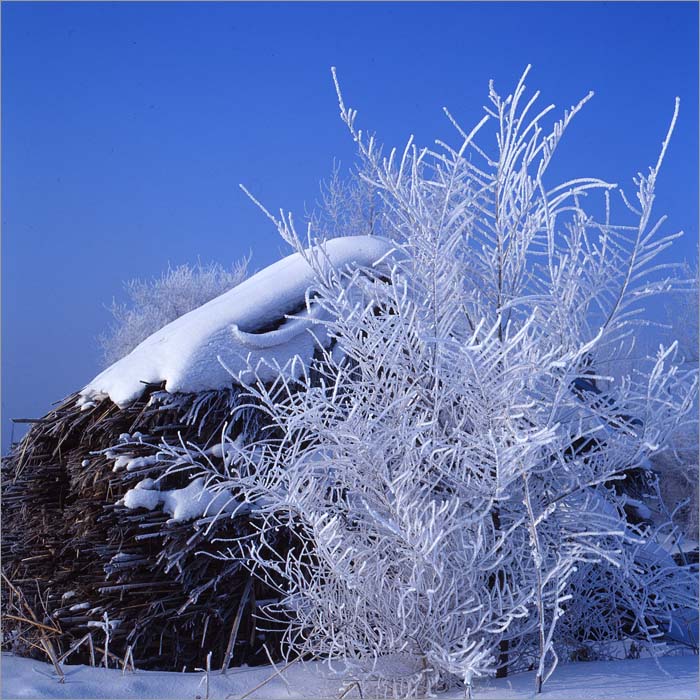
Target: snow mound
<point x="639" y="679"/>
<point x="244" y="327"/>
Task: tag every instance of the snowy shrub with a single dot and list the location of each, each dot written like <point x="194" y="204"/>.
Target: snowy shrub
<point x="154" y="303"/>
<point x="678" y="465"/>
<point x="460" y="491"/>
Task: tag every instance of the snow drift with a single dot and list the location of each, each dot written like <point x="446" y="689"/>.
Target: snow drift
<point x="245" y="327"/>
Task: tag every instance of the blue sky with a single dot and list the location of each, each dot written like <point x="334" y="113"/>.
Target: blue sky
<point x="126" y="128"/>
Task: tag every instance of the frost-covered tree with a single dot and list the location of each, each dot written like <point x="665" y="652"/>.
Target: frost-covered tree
<point x="349" y="206"/>
<point x="458" y="489"/>
<point x="154" y="303"/>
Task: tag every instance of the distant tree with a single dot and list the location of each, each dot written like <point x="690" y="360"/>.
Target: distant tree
<point x="154" y="303"/>
<point x="349" y="206"/>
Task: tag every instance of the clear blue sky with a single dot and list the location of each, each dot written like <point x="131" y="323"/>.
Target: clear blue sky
<point x="126" y="128"/>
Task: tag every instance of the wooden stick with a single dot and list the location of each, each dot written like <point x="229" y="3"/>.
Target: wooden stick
<point x="45" y="641"/>
<point x="266" y="681"/>
<point x="236" y="625"/>
<point x="92" y="649"/>
<point x="354" y="684"/>
<point x="34" y="623"/>
<point x="50" y="651"/>
<point x="76" y="645"/>
<point x="129" y="655"/>
<point x="31" y="644"/>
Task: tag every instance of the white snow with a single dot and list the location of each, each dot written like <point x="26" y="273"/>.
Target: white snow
<point x="140" y="497"/>
<point x="132" y="463"/>
<point x="638" y="679"/>
<point x="79" y="606"/>
<point x="187" y="503"/>
<point x="189" y="354"/>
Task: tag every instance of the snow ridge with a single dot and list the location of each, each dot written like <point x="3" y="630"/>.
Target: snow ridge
<point x="200" y="350"/>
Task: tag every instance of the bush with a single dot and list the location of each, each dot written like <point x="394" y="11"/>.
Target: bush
<point x="155" y="303"/>
<point x="457" y="484"/>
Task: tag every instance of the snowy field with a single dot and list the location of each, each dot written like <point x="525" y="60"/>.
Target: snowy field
<point x="638" y="679"/>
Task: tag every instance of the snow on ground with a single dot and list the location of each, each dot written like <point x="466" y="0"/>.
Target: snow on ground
<point x="185" y="354"/>
<point x="638" y="679"/>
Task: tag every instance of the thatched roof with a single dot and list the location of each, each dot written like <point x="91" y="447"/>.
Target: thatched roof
<point x="86" y="543"/>
<point x="76" y="554"/>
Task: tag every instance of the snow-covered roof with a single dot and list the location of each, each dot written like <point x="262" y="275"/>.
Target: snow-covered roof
<point x="191" y="354"/>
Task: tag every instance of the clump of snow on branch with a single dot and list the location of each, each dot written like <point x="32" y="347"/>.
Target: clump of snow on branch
<point x="458" y="483"/>
<point x="188" y="503"/>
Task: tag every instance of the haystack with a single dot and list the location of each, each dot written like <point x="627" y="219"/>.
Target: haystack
<point x="110" y="534"/>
